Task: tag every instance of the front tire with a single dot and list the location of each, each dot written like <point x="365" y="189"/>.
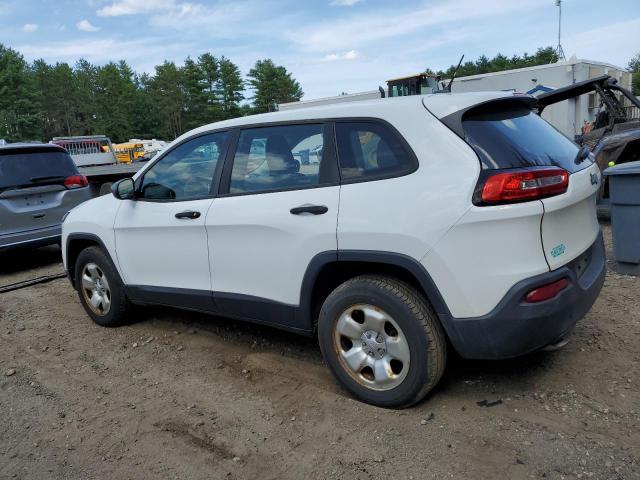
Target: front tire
<point x="100" y="289"/>
<point x="382" y="341"/>
<point x="105" y="189"/>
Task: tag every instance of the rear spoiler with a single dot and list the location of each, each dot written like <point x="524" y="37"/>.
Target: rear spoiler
<point x="601" y="84"/>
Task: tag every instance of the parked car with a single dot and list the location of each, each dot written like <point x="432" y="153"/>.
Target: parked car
<point x="430" y="222"/>
<point x="39" y="184"/>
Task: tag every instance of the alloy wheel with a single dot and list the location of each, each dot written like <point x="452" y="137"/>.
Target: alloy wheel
<point x="95" y="288"/>
<point x="371" y="347"/>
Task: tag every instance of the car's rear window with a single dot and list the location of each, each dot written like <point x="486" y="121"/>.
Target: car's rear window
<point x="20" y="168"/>
<point x="516" y="137"/>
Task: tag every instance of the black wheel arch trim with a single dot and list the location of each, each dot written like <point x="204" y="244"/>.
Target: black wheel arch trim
<point x="86" y="237"/>
<point x="405" y="262"/>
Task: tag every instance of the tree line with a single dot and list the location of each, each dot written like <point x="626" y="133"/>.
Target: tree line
<point x="543" y="56"/>
<point x="499" y="63"/>
<point x="39" y="101"/>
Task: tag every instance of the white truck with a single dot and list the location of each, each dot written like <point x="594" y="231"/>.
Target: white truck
<point x="95" y="158"/>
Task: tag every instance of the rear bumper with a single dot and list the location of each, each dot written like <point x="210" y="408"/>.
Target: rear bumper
<point x="515" y="328"/>
<point x="32" y="238"/>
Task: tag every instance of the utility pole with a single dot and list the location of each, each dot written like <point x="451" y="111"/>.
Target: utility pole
<point x="559" y="50"/>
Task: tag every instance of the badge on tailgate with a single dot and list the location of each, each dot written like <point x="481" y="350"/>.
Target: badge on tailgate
<point x="558" y="250"/>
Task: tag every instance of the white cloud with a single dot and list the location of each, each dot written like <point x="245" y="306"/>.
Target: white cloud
<point x="134" y="7"/>
<point x="30" y="27"/>
<point x="596" y="44"/>
<point x="362" y="30"/>
<point x="344" y="3"/>
<point x="86" y="26"/>
<point x="334" y="57"/>
<point x="137" y="52"/>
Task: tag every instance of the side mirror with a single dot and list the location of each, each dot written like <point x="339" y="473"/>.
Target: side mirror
<point x="124" y="189"/>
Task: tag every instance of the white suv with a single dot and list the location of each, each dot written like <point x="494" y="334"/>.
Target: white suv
<point x="459" y="221"/>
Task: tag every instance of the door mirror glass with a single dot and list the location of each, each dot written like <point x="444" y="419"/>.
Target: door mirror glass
<point x="124" y="189"/>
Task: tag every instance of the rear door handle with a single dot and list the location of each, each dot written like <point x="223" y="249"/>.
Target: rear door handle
<point x="189" y="214"/>
<point x="312" y="209"/>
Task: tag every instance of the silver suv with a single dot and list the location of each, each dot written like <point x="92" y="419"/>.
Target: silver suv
<point x="39" y="184"/>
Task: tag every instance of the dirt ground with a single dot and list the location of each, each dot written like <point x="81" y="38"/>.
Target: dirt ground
<point x="185" y="396"/>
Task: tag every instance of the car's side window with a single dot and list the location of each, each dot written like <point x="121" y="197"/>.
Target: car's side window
<point x="278" y="158"/>
<point x="186" y="172"/>
<point x="370" y="149"/>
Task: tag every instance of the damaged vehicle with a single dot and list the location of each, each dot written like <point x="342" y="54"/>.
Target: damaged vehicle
<point x="614" y="136"/>
<point x="429" y="223"/>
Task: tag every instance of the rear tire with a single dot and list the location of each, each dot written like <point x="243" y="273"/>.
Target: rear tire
<point x="382" y="341"/>
<point x="100" y="289"/>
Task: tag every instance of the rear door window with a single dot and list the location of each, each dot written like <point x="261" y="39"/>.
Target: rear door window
<point x="516" y="137"/>
<point x="369" y="150"/>
<point x="284" y="157"/>
<point x="26" y="168"/>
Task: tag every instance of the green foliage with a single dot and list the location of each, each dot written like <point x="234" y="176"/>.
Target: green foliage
<point x="41" y="101"/>
<point x="271" y="85"/>
<point x="19" y="109"/>
<point x="500" y="62"/>
<point x="230" y="87"/>
<point x="634" y="67"/>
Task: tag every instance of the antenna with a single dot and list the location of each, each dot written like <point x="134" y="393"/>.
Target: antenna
<point x="559" y="50"/>
<point x="453" y="76"/>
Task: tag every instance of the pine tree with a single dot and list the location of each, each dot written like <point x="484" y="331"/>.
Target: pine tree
<point x="19" y="110"/>
<point x="271" y="85"/>
<point x="230" y="87"/>
<point x="167" y="92"/>
<point x="195" y="95"/>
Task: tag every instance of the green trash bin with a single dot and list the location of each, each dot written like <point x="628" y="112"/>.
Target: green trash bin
<point x="624" y="194"/>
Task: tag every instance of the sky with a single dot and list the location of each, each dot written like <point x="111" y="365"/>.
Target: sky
<point x="330" y="46"/>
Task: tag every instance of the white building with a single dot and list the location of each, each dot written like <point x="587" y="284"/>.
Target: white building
<point x="567" y="116"/>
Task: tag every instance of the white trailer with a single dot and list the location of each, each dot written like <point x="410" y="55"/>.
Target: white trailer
<point x="349" y="97"/>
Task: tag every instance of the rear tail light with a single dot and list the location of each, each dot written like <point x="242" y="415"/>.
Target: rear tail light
<point x="519" y="185"/>
<point x="547" y="291"/>
<point x="76" y="181"/>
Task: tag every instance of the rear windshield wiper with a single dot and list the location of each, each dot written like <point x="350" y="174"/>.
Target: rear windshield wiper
<point x="50" y="178"/>
<point x="582" y="154"/>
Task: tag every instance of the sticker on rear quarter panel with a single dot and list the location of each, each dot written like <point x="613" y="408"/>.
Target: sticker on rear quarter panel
<point x="558" y="250"/>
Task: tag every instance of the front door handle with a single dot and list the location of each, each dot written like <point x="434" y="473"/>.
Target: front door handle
<point x="189" y="214"/>
<point x="312" y="209"/>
